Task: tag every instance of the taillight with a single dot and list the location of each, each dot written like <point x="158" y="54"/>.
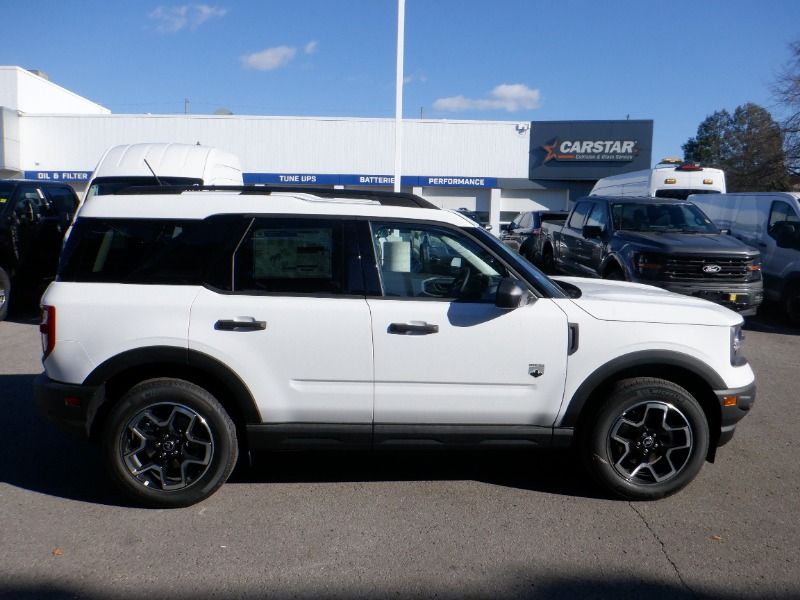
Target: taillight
<point x="47" y="328"/>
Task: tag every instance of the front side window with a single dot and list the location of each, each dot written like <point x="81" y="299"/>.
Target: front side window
<point x="598" y="217"/>
<point x="430" y="262"/>
<point x="781" y="211"/>
<point x="579" y="215"/>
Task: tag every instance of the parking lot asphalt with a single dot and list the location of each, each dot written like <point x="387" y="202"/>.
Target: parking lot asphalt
<point x="413" y="525"/>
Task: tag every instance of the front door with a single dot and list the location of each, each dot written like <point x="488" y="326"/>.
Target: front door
<point x="444" y="353"/>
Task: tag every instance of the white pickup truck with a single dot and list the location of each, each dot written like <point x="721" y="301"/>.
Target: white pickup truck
<point x="184" y="328"/>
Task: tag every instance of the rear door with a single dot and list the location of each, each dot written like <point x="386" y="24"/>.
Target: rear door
<point x="293" y="322"/>
<point x="444" y="353"/>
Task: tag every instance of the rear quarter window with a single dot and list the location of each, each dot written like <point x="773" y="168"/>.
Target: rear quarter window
<point x="152" y="251"/>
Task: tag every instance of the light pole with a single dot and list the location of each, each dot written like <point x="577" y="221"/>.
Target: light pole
<point x="398" y="103"/>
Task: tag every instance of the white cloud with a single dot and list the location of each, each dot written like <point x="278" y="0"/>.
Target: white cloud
<point x="269" y="59"/>
<point x="310" y="47"/>
<point x="171" y="19"/>
<point x="510" y="97"/>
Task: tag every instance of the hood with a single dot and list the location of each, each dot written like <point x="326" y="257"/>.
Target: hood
<point x="687" y="243"/>
<point x="635" y="302"/>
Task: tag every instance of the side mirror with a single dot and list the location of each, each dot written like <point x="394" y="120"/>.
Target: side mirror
<point x="592" y="231"/>
<point x="786" y="234"/>
<point x="512" y="294"/>
<point x="487" y="227"/>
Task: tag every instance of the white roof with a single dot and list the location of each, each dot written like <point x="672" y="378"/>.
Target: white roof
<point x="198" y="205"/>
<point x="167" y="159"/>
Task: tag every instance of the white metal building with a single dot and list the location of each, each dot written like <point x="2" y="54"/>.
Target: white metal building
<point x="48" y="132"/>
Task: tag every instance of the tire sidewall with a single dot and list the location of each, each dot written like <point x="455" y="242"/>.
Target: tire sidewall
<point x="177" y="392"/>
<point x="5" y="283"/>
<point x="597" y="456"/>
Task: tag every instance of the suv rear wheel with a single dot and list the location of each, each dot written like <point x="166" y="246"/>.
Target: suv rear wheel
<point x="5" y="293"/>
<point x="648" y="440"/>
<point x="169" y="443"/>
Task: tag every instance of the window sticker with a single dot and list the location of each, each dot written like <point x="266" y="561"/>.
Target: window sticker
<point x="293" y="253"/>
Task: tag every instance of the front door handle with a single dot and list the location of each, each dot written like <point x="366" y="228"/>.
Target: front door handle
<point x="413" y="328"/>
<point x="248" y="324"/>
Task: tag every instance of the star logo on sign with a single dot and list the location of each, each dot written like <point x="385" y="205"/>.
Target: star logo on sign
<point x="551" y="150"/>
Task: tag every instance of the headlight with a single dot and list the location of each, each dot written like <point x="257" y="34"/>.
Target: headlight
<point x="649" y="265"/>
<point x="737" y="340"/>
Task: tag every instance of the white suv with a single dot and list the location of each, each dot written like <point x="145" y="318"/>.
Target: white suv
<point x="186" y="327"/>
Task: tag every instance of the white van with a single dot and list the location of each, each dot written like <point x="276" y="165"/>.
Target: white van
<point x="671" y="178"/>
<point x="169" y="164"/>
<point x="769" y="221"/>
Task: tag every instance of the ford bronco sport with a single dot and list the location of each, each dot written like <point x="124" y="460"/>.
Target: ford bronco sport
<point x="186" y="327"/>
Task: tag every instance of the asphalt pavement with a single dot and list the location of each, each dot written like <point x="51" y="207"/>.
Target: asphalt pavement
<point x="412" y="525"/>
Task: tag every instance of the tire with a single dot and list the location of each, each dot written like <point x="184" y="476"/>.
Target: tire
<point x="648" y="440"/>
<point x="169" y="443"/>
<point x="5" y="293"/>
<point x="791" y="303"/>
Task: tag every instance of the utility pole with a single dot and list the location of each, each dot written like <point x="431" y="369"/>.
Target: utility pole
<point x="186" y="106"/>
<point x="398" y="105"/>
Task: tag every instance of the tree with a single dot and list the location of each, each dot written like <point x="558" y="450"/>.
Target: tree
<point x="747" y="145"/>
<point x="787" y="92"/>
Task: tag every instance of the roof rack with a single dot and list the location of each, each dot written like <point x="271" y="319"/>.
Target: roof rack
<point x="383" y="198"/>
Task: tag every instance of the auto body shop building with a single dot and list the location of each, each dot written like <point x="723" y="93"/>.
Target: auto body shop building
<point x="496" y="167"/>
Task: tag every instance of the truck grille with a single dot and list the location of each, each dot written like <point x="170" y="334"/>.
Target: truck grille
<point x="703" y="268"/>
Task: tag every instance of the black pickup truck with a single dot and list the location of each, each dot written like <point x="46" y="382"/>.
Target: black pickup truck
<point x="656" y="241"/>
<point x="34" y="216"/>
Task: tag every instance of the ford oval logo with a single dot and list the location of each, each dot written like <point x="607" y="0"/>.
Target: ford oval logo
<point x="712" y="269"/>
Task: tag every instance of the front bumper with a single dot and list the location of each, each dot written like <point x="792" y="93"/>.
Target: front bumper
<point x="743" y="298"/>
<point x="732" y="414"/>
<point x="70" y="406"/>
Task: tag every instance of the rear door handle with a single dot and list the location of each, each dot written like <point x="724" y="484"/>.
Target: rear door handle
<point x="241" y="324"/>
<point x="413" y="328"/>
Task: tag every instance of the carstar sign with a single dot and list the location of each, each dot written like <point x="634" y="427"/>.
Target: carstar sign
<point x="591" y="150"/>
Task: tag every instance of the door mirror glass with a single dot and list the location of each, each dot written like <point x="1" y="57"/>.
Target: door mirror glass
<point x="786" y="234"/>
<point x="512" y="294"/>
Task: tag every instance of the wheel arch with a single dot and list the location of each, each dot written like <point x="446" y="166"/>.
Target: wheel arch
<point x="119" y="373"/>
<point x="611" y="263"/>
<point x="691" y="374"/>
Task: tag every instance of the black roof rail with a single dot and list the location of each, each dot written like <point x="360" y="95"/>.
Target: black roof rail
<point x="384" y="198"/>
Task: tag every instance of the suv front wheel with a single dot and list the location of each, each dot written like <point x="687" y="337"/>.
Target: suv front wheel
<point x="169" y="443"/>
<point x="648" y="440"/>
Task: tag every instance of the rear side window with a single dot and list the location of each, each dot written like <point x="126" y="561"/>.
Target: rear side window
<point x="297" y="256"/>
<point x="152" y="251"/>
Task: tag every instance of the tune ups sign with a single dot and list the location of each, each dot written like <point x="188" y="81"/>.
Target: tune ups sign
<point x="585" y="150"/>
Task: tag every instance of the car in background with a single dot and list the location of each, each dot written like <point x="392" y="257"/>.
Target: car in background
<point x="769" y="221"/>
<point x="520" y="234"/>
<point x="478" y="216"/>
<point x="660" y="242"/>
<point x="34" y="215"/>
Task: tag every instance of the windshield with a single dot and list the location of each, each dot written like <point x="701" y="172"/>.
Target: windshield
<point x="675" y="217"/>
<point x="103" y="186"/>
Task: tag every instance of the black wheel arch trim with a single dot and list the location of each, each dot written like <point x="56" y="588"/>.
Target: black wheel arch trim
<point x="181" y="357"/>
<point x="632" y="360"/>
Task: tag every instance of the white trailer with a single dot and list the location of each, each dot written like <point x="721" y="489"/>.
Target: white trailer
<point x="670" y="178"/>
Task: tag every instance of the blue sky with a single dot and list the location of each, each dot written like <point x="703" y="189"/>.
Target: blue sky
<point x="515" y="60"/>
